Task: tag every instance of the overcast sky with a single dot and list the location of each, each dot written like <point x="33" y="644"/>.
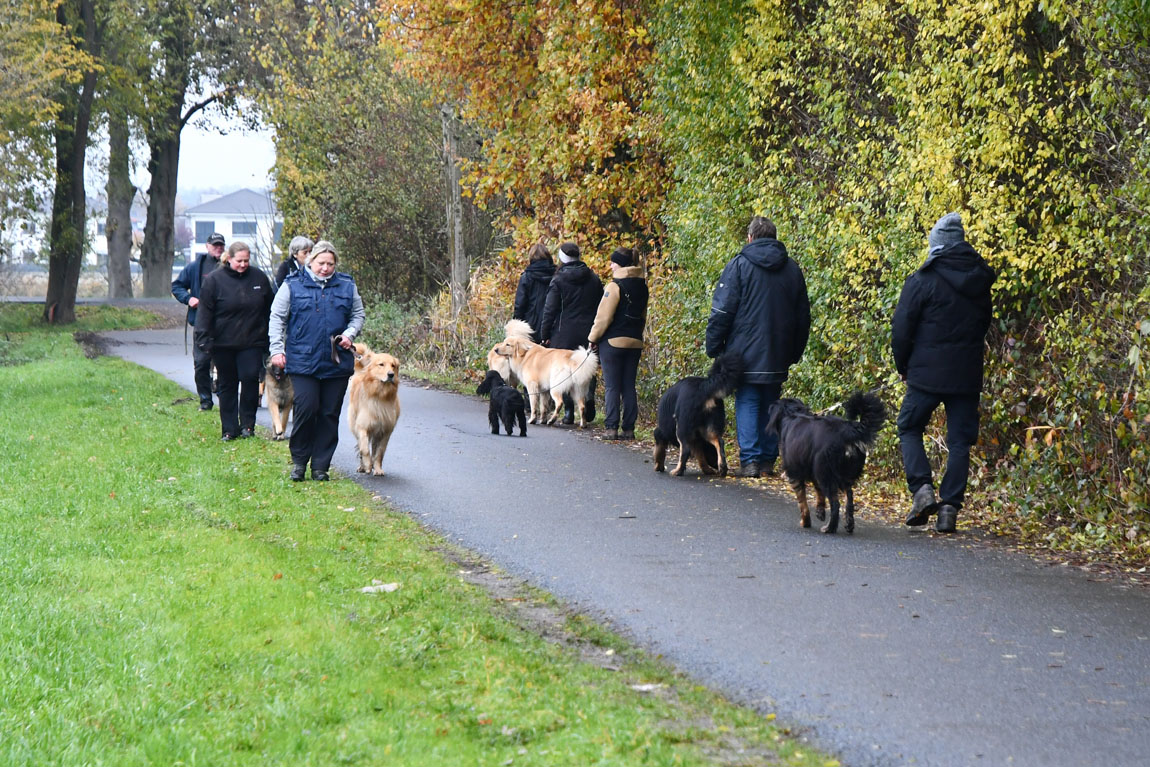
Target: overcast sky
<point x="226" y="162"/>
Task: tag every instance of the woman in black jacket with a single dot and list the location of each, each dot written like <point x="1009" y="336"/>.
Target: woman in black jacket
<point x="232" y="326"/>
<point x="531" y="293"/>
<point x="568" y="314"/>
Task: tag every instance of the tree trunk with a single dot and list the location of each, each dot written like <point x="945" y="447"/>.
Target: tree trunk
<point x="460" y="264"/>
<point x="118" y="226"/>
<point x="158" y="251"/>
<point x="69" y="201"/>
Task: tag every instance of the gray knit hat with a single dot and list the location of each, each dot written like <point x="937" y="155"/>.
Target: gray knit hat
<point x="946" y="231"/>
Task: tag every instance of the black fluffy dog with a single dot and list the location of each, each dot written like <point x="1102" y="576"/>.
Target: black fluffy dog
<point x="691" y="414"/>
<point x="506" y="404"/>
<point x="827" y="451"/>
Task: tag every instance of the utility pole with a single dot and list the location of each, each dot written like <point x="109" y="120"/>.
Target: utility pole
<point x="460" y="264"/>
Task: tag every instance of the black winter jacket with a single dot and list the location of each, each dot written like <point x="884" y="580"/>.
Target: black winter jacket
<point x="939" y="327"/>
<point x="234" y="310"/>
<point x="531" y="294"/>
<point x="761" y="310"/>
<point x="287" y="268"/>
<point x="569" y="312"/>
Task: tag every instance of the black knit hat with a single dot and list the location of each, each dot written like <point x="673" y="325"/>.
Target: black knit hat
<point x="623" y="257"/>
<point x="571" y="250"/>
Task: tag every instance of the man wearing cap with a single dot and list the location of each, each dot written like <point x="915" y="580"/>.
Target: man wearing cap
<point x="186" y="289"/>
<point x="937" y="337"/>
<point x="568" y="314"/>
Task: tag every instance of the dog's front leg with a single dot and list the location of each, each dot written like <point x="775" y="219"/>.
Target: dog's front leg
<point x="363" y="447"/>
<point x="660" y="455"/>
<point x="378" y="449"/>
<point x="534" y="400"/>
<point x="800" y="489"/>
<point x="832" y="524"/>
<point x="717" y="443"/>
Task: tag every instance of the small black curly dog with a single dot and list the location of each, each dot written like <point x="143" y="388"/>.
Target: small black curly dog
<point x="506" y="404"/>
<point x="827" y="451"/>
<point x="691" y="414"/>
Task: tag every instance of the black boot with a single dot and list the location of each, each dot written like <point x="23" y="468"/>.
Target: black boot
<point x="947" y="517"/>
<point x="298" y="472"/>
<point x="922" y="506"/>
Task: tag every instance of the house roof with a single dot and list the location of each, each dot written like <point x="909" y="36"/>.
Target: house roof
<point x="241" y="202"/>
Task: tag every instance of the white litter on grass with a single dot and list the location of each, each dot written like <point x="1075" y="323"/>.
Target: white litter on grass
<point x="647" y="687"/>
<point x="379" y="586"/>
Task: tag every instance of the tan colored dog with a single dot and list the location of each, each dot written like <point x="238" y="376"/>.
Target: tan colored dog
<point x="374" y="409"/>
<point x="556" y="371"/>
<point x="514" y="329"/>
<point x="277" y="385"/>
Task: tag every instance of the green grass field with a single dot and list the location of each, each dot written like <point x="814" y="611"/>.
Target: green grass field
<point x="168" y="599"/>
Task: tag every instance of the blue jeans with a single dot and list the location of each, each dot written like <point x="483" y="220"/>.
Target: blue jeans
<point x="751" y="404"/>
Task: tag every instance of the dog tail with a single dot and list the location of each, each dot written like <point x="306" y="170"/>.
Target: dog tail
<point x="518" y="329"/>
<point x="584" y="366"/>
<point x="868" y="410"/>
<point x="725" y="375"/>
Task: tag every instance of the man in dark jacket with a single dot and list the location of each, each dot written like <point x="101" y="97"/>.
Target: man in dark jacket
<point x="568" y="314"/>
<point x="186" y="289"/>
<point x="531" y="293"/>
<point x="761" y="310"/>
<point x="937" y="337"/>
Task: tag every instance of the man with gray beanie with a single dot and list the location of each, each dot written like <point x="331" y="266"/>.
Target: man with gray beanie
<point x="937" y="337"/>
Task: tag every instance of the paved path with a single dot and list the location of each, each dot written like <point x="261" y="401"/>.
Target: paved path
<point x="888" y="647"/>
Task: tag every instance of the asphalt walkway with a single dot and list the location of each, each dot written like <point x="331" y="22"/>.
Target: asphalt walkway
<point x="887" y="647"/>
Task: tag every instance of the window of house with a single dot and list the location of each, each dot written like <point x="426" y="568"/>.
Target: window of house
<point x="204" y="230"/>
<point x="279" y="232"/>
<point x="246" y="228"/>
<point x="100" y="230"/>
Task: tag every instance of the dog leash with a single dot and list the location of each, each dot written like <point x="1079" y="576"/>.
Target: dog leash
<point x="876" y="390"/>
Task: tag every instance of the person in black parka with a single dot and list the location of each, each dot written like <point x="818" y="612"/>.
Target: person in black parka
<point x="937" y="336"/>
<point x="762" y="311"/>
<point x="568" y="314"/>
<point x="531" y="293"/>
<point x="232" y="328"/>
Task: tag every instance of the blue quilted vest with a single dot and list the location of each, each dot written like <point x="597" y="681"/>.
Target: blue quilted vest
<point x="316" y="314"/>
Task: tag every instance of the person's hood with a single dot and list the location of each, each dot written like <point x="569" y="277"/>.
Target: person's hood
<point x="574" y="273"/>
<point x="962" y="268"/>
<point x="629" y="272"/>
<point x="766" y="253"/>
<point x="540" y="271"/>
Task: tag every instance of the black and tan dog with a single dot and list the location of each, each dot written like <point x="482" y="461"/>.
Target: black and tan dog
<point x="691" y="414"/>
<point x="827" y="451"/>
<point x="277" y="386"/>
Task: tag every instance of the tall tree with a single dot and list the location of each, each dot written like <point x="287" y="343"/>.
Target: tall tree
<point x="121" y="192"/>
<point x="69" y="202"/>
<point x="193" y="47"/>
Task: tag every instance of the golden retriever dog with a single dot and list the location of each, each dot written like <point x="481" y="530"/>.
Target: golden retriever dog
<point x="514" y="329"/>
<point x="555" y="371"/>
<point x="374" y="407"/>
<point x="277" y="385"/>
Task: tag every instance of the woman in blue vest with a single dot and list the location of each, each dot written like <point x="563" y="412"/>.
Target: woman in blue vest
<point x="618" y="335"/>
<point x="316" y="315"/>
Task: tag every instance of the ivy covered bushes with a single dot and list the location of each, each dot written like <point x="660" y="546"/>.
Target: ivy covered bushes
<point x="854" y="124"/>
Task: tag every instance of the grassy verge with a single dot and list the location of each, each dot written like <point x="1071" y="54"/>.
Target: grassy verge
<point x="169" y="599"/>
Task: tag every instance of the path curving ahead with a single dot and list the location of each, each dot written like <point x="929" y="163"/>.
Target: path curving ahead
<point x="887" y="647"/>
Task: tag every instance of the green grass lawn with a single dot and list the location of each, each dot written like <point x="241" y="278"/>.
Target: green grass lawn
<point x="168" y="599"/>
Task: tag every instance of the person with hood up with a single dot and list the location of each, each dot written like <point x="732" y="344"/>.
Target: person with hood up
<point x="568" y="314"/>
<point x="761" y="310"/>
<point x="937" y="336"/>
<point x="618" y="335"/>
<point x="531" y="292"/>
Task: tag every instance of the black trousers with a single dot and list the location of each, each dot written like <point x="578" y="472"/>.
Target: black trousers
<point x="620" y="369"/>
<point x="961" y="434"/>
<point x="202" y="365"/>
<point x="315" y="419"/>
<point x="238" y="387"/>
